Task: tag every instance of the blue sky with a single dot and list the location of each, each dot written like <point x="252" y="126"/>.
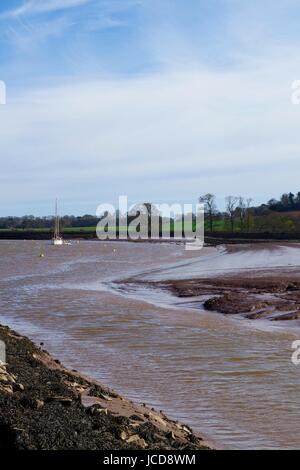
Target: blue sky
<point x="160" y="100"/>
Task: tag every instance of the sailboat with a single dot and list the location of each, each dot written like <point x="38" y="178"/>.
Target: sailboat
<point x="57" y="239"/>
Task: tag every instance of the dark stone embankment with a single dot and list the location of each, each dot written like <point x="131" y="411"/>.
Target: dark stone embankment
<point x="45" y="406"/>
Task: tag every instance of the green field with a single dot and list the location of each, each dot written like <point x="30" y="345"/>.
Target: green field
<point x="122" y="229"/>
<point x="47" y="230"/>
<point x="21" y="230"/>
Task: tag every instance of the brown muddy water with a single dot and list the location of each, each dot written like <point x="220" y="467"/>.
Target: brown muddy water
<point x="229" y="378"/>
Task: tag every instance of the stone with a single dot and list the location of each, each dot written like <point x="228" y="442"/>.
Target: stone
<point x="101" y="410"/>
<point x="39" y="404"/>
<point x="3" y="377"/>
<point x="123" y="435"/>
<point x="6" y="388"/>
<point x="63" y="400"/>
<point x="158" y="419"/>
<point x="187" y="430"/>
<point x="136" y="439"/>
<point x="19" y="387"/>
<point x="105" y="397"/>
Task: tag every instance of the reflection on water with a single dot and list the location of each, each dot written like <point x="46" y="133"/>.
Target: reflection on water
<point x="230" y="379"/>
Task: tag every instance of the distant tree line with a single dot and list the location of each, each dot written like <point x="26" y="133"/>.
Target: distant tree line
<point x="282" y="215"/>
<point x="238" y="211"/>
<point x="240" y="214"/>
<point x="288" y="202"/>
<point x="29" y="221"/>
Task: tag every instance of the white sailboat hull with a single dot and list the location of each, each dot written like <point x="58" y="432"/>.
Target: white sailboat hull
<point x="57" y="241"/>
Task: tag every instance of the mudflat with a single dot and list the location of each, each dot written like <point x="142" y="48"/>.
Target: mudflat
<point x="271" y="293"/>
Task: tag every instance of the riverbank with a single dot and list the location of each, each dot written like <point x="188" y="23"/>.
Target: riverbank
<point x="211" y="238"/>
<point x="44" y="406"/>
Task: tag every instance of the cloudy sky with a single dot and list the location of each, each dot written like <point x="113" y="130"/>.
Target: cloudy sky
<point x="160" y="100"/>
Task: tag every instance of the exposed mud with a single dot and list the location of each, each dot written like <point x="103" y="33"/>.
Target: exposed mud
<point x="276" y="298"/>
<point x="45" y="406"/>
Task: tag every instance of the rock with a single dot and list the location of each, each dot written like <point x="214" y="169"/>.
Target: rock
<point x="134" y="425"/>
<point x="187" y="430"/>
<point x="3" y="377"/>
<point x="123" y="435"/>
<point x="158" y="419"/>
<point x="40" y="404"/>
<point x="291" y="286"/>
<point x="76" y="386"/>
<point x="63" y="400"/>
<point x="182" y="427"/>
<point x="6" y="377"/>
<point x="105" y="397"/>
<point x="195" y="439"/>
<point x="6" y="388"/>
<point x="136" y="418"/>
<point x="135" y="439"/>
<point x="98" y="409"/>
<point x="18" y="387"/>
<point x="33" y="403"/>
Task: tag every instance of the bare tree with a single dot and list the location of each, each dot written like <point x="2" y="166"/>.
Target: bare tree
<point x="210" y="207"/>
<point x="248" y="206"/>
<point x="242" y="211"/>
<point x="231" y="204"/>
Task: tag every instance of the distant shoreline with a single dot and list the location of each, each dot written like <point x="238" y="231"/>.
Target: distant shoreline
<point x="211" y="238"/>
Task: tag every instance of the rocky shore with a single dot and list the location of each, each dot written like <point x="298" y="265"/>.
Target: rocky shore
<point x="44" y="406"/>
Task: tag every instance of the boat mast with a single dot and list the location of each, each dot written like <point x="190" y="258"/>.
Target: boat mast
<point x="56" y="230"/>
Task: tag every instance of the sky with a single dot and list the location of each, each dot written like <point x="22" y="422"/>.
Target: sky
<point x="159" y="100"/>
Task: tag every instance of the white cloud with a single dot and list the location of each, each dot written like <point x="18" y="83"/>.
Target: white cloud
<point x="171" y="135"/>
<point x="166" y="137"/>
<point x="33" y="7"/>
<point x="27" y="27"/>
